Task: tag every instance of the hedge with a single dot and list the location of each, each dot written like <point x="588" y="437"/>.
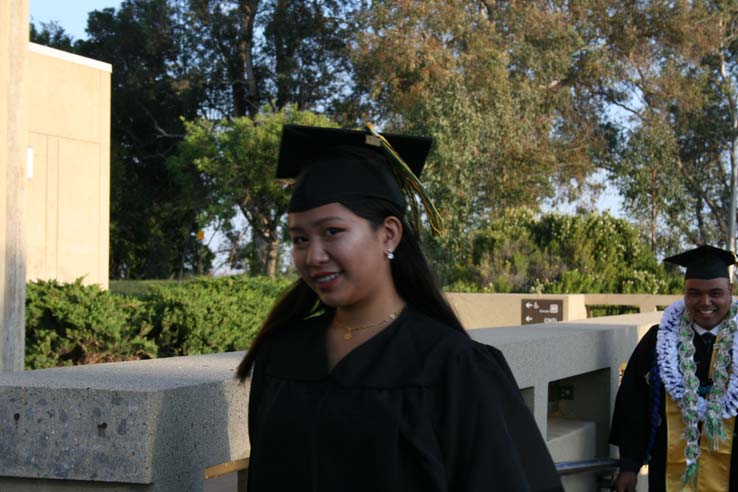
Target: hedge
<point x="210" y="316"/>
<point x="73" y="323"/>
<point x="80" y="324"/>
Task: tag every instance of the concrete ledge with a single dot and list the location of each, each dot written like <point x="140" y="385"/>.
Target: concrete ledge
<point x="131" y="422"/>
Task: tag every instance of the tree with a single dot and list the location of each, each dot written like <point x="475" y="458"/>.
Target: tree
<point x="673" y="74"/>
<point x="224" y="36"/>
<point x="495" y="83"/>
<point x="237" y="159"/>
<point x="306" y="43"/>
<point x="53" y="35"/>
<point x="273" y="52"/>
<point x="154" y="85"/>
<point x="555" y="253"/>
<point x="652" y="191"/>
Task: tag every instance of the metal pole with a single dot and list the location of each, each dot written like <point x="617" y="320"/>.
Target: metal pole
<point x="587" y="466"/>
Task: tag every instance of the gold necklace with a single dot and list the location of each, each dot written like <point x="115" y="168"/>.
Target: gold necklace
<point x="351" y="329"/>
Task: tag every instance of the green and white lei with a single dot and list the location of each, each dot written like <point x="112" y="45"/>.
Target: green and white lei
<point x="675" y="358"/>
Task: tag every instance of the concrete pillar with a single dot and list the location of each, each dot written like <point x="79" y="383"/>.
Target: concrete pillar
<point x="14" y="34"/>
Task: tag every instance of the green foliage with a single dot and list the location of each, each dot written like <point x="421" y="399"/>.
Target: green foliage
<point x="596" y="310"/>
<point x="139" y="288"/>
<point x="237" y="158"/>
<point x="554" y="253"/>
<point x="79" y="324"/>
<point x="213" y="315"/>
<point x="51" y="34"/>
<point x="73" y="323"/>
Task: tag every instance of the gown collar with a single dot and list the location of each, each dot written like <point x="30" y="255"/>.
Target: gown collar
<point x="390" y="358"/>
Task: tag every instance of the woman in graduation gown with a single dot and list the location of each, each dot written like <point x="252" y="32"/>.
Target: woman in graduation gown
<point x="363" y="378"/>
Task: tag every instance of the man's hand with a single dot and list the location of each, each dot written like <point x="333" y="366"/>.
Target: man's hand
<point x="625" y="482"/>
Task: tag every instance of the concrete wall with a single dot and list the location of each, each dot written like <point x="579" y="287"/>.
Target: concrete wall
<point x="495" y="310"/>
<point x="13" y="44"/>
<point x="645" y="302"/>
<point x="68" y="189"/>
<point x="156" y="425"/>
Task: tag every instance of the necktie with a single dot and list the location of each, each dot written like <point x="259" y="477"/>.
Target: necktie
<point x="708" y="339"/>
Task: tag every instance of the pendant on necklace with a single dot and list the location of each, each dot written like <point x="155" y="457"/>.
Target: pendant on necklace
<point x="348" y="336"/>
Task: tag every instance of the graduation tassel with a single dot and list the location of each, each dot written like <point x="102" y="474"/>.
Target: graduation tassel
<point x="411" y="186"/>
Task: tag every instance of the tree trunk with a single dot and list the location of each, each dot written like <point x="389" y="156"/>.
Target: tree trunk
<point x="654" y="215"/>
<point x="272" y="250"/>
<point x="701" y="226"/>
<point x="241" y="64"/>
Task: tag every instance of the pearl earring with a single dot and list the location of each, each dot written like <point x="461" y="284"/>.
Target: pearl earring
<point x="390" y="255"/>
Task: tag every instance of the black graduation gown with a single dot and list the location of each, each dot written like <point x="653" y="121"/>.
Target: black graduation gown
<point x="632" y="420"/>
<point x="419" y="406"/>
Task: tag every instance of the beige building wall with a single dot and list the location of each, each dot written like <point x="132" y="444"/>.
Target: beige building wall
<point x="68" y="166"/>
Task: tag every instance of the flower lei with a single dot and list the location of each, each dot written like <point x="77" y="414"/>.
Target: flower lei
<point x="675" y="358"/>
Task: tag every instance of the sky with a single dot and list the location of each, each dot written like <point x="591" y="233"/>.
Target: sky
<point x="70" y="14"/>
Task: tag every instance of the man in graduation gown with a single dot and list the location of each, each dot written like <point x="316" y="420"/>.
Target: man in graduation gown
<point x="676" y="406"/>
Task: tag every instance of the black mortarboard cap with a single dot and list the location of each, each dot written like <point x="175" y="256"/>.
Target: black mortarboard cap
<point x="704" y="262"/>
<point x="336" y="165"/>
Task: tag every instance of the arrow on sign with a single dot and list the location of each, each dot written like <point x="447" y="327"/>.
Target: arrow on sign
<point x="528" y="305"/>
<point x="528" y="318"/>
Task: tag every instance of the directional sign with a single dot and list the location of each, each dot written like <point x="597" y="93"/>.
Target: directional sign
<point x="541" y="311"/>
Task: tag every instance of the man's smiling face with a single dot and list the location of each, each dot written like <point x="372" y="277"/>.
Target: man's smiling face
<point x="707" y="300"/>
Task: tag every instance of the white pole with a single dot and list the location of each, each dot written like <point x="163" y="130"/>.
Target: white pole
<point x="14" y="26"/>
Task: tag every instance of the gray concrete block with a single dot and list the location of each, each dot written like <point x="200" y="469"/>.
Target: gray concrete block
<point x="543" y="353"/>
<point x="75" y="433"/>
<point x="135" y="422"/>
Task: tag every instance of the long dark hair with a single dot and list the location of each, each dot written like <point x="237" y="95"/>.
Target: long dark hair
<point x="412" y="276"/>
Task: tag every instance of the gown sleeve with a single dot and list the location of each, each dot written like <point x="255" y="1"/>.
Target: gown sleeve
<point x="489" y="438"/>
<point x="631" y="421"/>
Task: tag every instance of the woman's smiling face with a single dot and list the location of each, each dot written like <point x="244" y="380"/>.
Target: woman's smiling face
<point x="339" y="255"/>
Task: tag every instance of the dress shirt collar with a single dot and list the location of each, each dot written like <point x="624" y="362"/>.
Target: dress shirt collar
<point x="701" y="331"/>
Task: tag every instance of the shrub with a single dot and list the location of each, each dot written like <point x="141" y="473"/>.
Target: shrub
<point x="72" y="323"/>
<point x="210" y="315"/>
